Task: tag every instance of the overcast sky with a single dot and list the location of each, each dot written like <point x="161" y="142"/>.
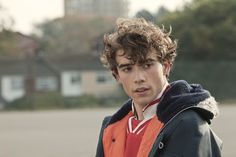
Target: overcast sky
<point x="27" y="12"/>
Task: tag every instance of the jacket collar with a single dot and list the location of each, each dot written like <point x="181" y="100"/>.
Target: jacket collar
<point x="180" y="96"/>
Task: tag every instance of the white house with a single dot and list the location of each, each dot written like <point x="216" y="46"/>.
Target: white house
<point x="70" y="75"/>
<point x="12" y="87"/>
<point x="19" y="77"/>
<point x="82" y="75"/>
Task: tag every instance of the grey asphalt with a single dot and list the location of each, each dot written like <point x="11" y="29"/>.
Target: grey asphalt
<point x="74" y="133"/>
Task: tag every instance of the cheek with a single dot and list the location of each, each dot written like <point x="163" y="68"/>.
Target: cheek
<point x="122" y="78"/>
<point x="126" y="84"/>
<point x="157" y="77"/>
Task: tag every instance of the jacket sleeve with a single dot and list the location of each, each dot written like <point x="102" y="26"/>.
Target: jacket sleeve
<point x="191" y="136"/>
<point x="100" y="151"/>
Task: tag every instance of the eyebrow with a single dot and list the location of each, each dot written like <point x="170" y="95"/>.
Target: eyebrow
<point x="130" y="64"/>
<point x="150" y="60"/>
<point x="125" y="65"/>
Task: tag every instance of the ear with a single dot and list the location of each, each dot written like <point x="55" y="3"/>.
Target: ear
<point x="166" y="68"/>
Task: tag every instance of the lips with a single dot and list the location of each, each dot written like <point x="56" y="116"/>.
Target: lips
<point x="141" y="90"/>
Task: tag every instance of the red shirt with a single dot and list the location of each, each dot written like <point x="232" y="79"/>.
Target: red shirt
<point x="134" y="137"/>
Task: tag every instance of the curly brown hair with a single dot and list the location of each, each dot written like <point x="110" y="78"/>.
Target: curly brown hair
<point x="136" y="37"/>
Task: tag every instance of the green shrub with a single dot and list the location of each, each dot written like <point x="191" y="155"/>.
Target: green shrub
<point x="46" y="100"/>
<point x="54" y="100"/>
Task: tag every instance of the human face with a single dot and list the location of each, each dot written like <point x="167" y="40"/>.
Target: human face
<point x="142" y="82"/>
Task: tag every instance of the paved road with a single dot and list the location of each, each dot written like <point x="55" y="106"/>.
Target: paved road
<point x="225" y="127"/>
<point x="73" y="133"/>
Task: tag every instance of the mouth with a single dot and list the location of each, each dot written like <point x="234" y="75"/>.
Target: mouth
<point x="141" y="90"/>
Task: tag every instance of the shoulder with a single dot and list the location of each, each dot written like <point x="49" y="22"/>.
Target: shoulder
<point x="187" y="126"/>
<point x="106" y="121"/>
<point x="188" y="121"/>
<point x="191" y="117"/>
<point x="188" y="134"/>
<point x="185" y="133"/>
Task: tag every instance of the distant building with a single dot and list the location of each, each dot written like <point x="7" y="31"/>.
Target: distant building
<point x="84" y="75"/>
<point x="70" y="75"/>
<point x="19" y="77"/>
<point x="107" y="8"/>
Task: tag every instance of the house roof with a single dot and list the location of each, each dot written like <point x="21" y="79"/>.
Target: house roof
<point x="77" y="62"/>
<point x="25" y="67"/>
<point x="50" y="65"/>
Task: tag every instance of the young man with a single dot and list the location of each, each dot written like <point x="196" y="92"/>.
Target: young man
<point x="161" y="119"/>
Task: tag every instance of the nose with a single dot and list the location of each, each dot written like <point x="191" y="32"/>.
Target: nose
<point x="139" y="76"/>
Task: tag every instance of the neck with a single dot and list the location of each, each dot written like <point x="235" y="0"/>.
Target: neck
<point x="138" y="112"/>
<point x="138" y="109"/>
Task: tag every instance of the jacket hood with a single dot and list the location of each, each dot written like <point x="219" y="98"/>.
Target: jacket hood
<point x="182" y="96"/>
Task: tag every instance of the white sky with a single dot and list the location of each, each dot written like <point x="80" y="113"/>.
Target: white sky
<point x="27" y="12"/>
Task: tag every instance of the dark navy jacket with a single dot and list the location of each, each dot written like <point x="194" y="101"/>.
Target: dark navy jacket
<point x="186" y="111"/>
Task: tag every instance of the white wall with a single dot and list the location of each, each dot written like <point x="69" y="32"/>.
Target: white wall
<point x="69" y="87"/>
<point x="12" y="87"/>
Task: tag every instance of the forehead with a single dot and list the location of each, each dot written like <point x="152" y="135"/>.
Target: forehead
<point x="121" y="56"/>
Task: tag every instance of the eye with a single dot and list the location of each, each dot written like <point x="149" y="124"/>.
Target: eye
<point x="126" y="69"/>
<point x="147" y="65"/>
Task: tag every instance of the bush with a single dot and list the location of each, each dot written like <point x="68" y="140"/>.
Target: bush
<point x="54" y="100"/>
<point x="46" y="100"/>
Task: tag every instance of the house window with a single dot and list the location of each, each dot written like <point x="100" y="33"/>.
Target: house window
<point x="76" y="78"/>
<point x="46" y="84"/>
<point x="104" y="78"/>
<point x="17" y="83"/>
